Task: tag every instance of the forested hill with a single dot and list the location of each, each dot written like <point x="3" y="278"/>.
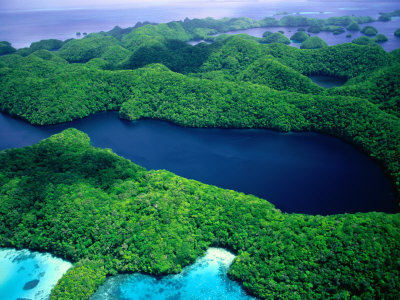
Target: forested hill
<point x="108" y="215"/>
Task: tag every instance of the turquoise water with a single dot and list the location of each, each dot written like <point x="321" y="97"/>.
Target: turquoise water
<point x="205" y="279"/>
<point x="29" y="275"/>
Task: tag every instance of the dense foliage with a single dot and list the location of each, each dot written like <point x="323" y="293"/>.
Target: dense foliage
<point x="385" y="17"/>
<point x="314" y="29"/>
<point x="363" y="40"/>
<point x="333" y="28"/>
<point x="313" y="42"/>
<point x="51" y="44"/>
<point x="270" y="72"/>
<point x="369" y="30"/>
<point x="109" y="215"/>
<point x="176" y="55"/>
<point x="353" y="27"/>
<point x="6" y="48"/>
<point x="346" y="60"/>
<point x="297" y="21"/>
<point x="380" y="38"/>
<point x="92" y="46"/>
<point x="275" y="37"/>
<point x="380" y="87"/>
<point x="299" y="36"/>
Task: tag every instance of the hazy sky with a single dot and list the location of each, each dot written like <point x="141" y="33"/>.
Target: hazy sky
<point x="54" y="4"/>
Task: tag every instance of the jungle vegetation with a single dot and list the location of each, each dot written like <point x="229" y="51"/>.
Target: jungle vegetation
<point x="313" y="42"/>
<point x="108" y="215"/>
<point x="363" y="40"/>
<point x="385" y="17"/>
<point x="276" y="37"/>
<point x="353" y="27"/>
<point x="6" y="48"/>
<point x="299" y="36"/>
<point x="380" y="38"/>
<point x="369" y="30"/>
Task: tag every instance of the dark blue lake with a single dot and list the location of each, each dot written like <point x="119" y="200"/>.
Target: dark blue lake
<point x="327" y="81"/>
<point x="298" y="172"/>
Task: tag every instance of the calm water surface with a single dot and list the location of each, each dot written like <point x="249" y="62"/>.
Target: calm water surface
<point x="29" y="275"/>
<point x="386" y="28"/>
<point x="298" y="172"/>
<point x="205" y="279"/>
<point x="327" y="81"/>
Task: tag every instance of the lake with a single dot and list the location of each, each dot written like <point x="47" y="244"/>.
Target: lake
<point x="29" y="275"/>
<point x="298" y="172"/>
<point x="205" y="279"/>
<point x="327" y="81"/>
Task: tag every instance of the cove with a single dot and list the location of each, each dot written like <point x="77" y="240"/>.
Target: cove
<point x="298" y="172"/>
<point x="205" y="279"/>
<point x="29" y="275"/>
<point x="327" y="81"/>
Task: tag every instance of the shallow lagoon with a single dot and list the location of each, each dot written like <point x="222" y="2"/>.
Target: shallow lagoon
<point x="29" y="275"/>
<point x="205" y="279"/>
